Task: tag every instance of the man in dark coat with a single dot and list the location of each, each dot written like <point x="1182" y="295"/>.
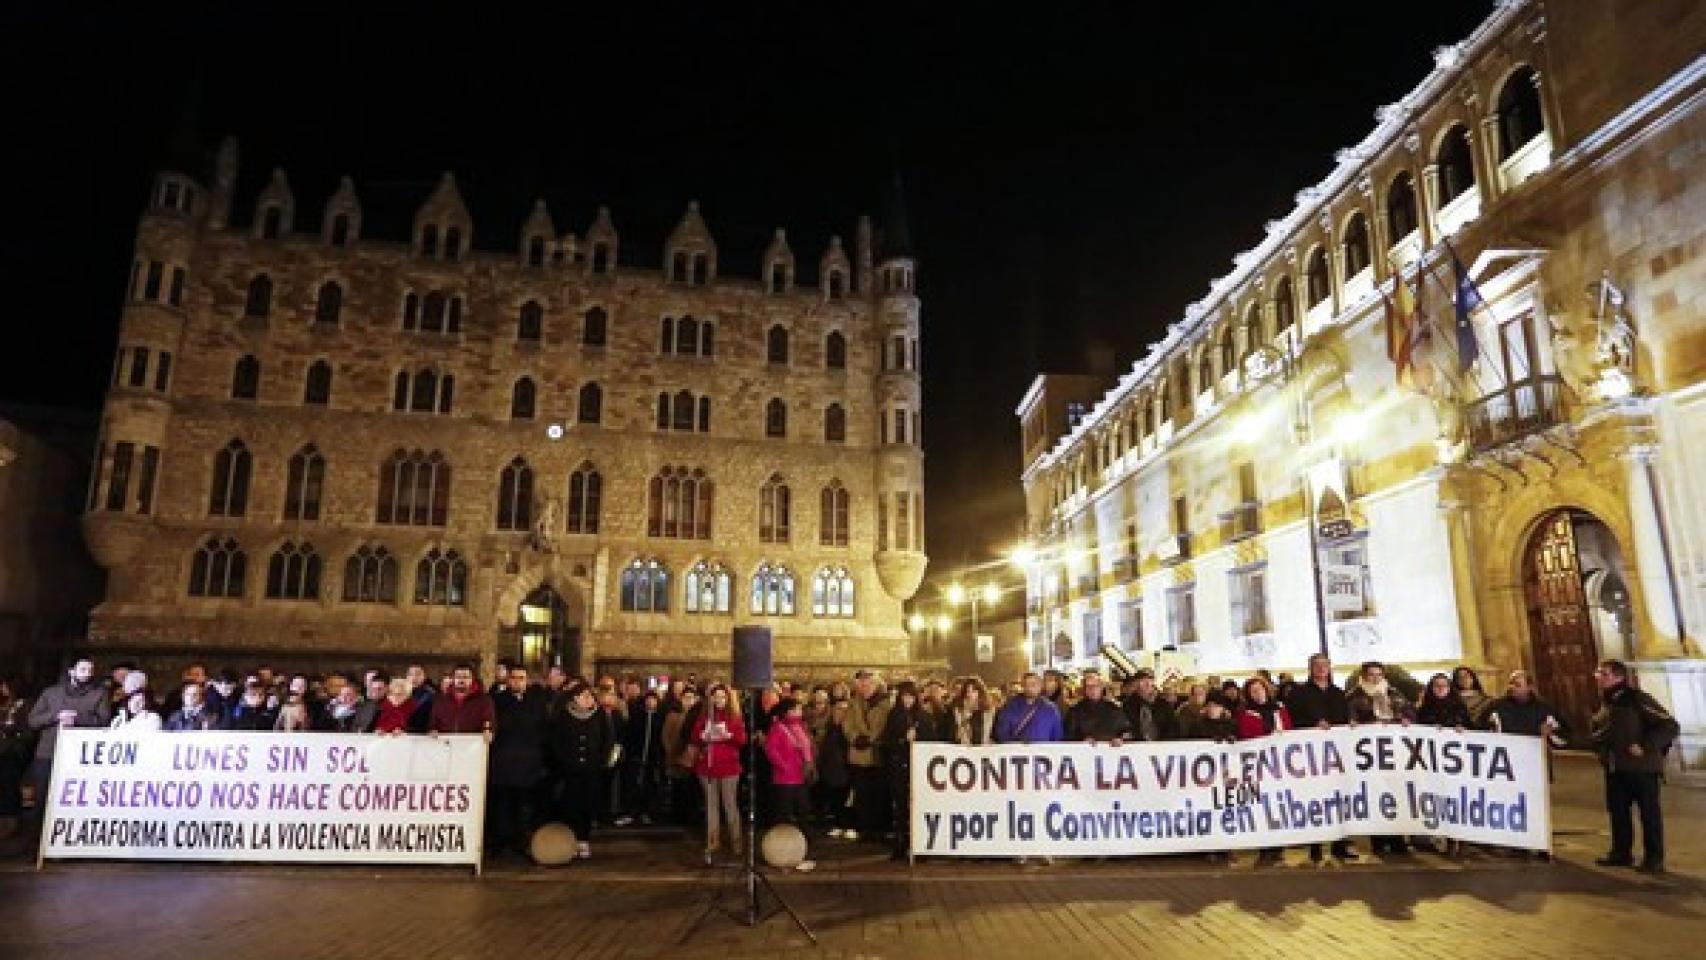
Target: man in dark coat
<point x="422" y="692"/>
<point x="1320" y="703"/>
<point x="1096" y="718"/>
<point x="521" y="711"/>
<point x="77" y="702"/>
<point x="1152" y="719"/>
<point x="642" y="758"/>
<point x="1631" y="733"/>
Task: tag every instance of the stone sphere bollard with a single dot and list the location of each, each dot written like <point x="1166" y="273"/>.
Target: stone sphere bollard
<point x="553" y="845"/>
<point x="783" y="846"/>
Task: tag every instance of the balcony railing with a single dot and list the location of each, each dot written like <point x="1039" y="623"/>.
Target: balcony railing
<point x="1241" y="522"/>
<point x="1174" y="549"/>
<point x="1515" y="411"/>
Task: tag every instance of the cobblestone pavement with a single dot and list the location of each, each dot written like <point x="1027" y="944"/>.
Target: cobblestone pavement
<point x="639" y="899"/>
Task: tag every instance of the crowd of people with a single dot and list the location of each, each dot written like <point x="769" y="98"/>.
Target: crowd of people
<point x="831" y="758"/>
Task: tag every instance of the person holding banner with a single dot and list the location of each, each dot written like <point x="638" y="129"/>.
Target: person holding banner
<point x="1260" y="715"/>
<point x="1029" y="717"/>
<point x="193" y="713"/>
<point x="1319" y="702"/>
<point x="517" y="760"/>
<point x="973" y="716"/>
<point x="1095" y="718"/>
<point x="77" y="702"/>
<point x="909" y="722"/>
<point x="1373" y="699"/>
<point x="1152" y="718"/>
<point x="138" y="712"/>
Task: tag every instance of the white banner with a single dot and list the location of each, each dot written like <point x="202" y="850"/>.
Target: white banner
<point x="1311" y="786"/>
<point x="278" y="797"/>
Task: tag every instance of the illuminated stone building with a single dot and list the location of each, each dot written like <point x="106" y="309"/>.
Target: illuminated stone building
<point x="1541" y="509"/>
<point x="326" y="447"/>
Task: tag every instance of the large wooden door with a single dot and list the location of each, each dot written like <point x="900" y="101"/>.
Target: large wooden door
<point x="1559" y="627"/>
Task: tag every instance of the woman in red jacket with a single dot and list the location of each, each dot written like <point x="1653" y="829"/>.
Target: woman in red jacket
<point x="718" y="736"/>
<point x="1260" y="715"/>
<point x="395" y="709"/>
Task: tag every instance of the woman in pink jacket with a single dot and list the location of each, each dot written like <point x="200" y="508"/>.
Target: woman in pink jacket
<point x="718" y="736"/>
<point x="789" y="747"/>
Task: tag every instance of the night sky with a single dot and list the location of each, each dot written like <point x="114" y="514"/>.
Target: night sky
<point x="1075" y="173"/>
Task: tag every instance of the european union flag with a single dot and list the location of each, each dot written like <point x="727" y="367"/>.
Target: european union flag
<point x="1468" y="299"/>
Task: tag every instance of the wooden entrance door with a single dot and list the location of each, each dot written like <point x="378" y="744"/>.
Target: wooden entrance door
<point x="1559" y="627"/>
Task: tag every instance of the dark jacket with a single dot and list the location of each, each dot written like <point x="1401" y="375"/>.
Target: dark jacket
<point x="1627" y="717"/>
<point x="89" y="700"/>
<point x="202" y="719"/>
<point x="1154" y="715"/>
<point x="832" y="757"/>
<point x="1223" y="730"/>
<point x="1310" y="704"/>
<point x="1447" y="711"/>
<point x="1525" y="718"/>
<point x="642" y="737"/>
<point x="1100" y="720"/>
<point x="244" y="717"/>
<point x="518" y="746"/>
<point x="894" y="748"/>
<point x="420" y="721"/>
<point x="1364" y="708"/>
<point x="579" y="745"/>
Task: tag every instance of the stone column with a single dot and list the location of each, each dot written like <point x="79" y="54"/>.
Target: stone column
<point x="1652" y="566"/>
<point x="1456" y="509"/>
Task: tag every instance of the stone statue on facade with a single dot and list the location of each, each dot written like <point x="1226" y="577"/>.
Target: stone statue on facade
<point x="545" y="526"/>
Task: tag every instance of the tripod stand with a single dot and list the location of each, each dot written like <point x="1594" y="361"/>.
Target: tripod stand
<point x="745" y="876"/>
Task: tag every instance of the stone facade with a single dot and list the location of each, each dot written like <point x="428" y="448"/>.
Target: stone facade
<point x="1260" y="486"/>
<point x="281" y="339"/>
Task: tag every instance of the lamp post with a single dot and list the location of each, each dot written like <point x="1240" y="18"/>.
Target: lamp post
<point x="958" y="594"/>
<point x="1266" y="365"/>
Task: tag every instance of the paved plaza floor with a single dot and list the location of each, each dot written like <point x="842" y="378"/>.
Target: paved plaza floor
<point x="641" y="897"/>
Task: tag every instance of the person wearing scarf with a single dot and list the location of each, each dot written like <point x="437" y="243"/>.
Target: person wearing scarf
<point x="973" y="716"/>
<point x="788" y="746"/>
<point x="578" y="746"/>
<point x="1372" y="700"/>
<point x="718" y="735"/>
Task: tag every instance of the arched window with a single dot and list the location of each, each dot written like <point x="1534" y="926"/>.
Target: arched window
<point x="432" y="312"/>
<point x="1228" y="352"/>
<point x="1456" y="168"/>
<point x="1149" y="416"/>
<point x="230" y="496"/>
<point x="1401" y="206"/>
<point x="591" y="406"/>
<point x="593" y="327"/>
<point x="776" y="418"/>
<point x="1205" y="371"/>
<point x="453" y="323"/>
<point x="683" y="411"/>
<point x="217" y="569"/>
<point x="1285" y="306"/>
<point x="515" y="496"/>
<point x="423" y="392"/>
<point x="414" y="489"/>
<point x="318" y="388"/>
<point x="835" y="351"/>
<point x="679" y="505"/>
<point x="303" y="482"/>
<point x="330" y="303"/>
<point x="441" y="579"/>
<point x="246" y="379"/>
<point x="429" y="240"/>
<point x="1320" y="282"/>
<point x="293" y="573"/>
<point x="666" y="335"/>
<point x="411" y="311"/>
<point x="536" y="251"/>
<point x="1357" y="257"/>
<point x="586" y="488"/>
<point x="772" y="591"/>
<point x="775" y="510"/>
<point x="832" y="593"/>
<point x="340" y="230"/>
<point x="521" y="399"/>
<point x="704" y="414"/>
<point x="530" y="325"/>
<point x="833" y="509"/>
<point x="1252" y="329"/>
<point x="645" y="587"/>
<point x="453" y="243"/>
<point x="258" y="303"/>
<point x="708" y="588"/>
<point x="835" y="424"/>
<point x="687" y="336"/>
<point x="776" y="344"/>
<point x="707" y="343"/>
<point x="370" y="576"/>
<point x="1520" y="119"/>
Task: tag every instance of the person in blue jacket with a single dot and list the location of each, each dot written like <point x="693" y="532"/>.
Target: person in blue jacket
<point x="1029" y="717"/>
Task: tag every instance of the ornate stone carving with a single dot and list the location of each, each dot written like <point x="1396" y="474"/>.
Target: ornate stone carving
<point x="543" y="537"/>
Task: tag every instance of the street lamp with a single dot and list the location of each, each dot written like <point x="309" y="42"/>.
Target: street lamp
<point x="988" y="593"/>
<point x="1265" y="364"/>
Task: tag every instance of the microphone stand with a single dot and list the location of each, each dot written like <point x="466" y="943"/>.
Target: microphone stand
<point x="746" y="874"/>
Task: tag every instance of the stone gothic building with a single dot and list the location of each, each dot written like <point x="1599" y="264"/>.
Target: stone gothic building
<point x="322" y="447"/>
<point x="1260" y="487"/>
